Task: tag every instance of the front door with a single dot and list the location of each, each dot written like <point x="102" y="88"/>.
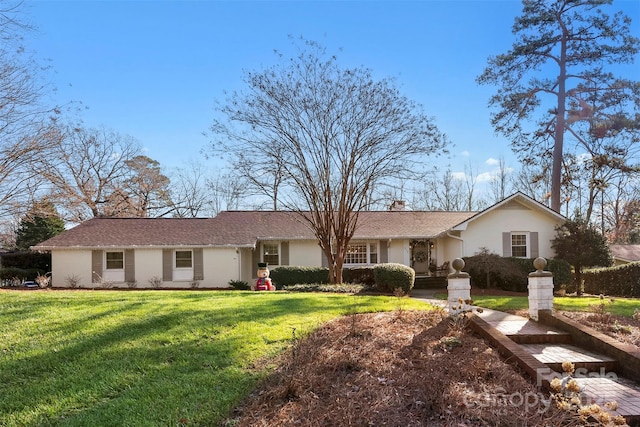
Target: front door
<point x="420" y="256"/>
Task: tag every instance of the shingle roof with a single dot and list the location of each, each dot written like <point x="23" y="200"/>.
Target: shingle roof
<point x="243" y="228"/>
<point x="135" y="232"/>
<point x="628" y="253"/>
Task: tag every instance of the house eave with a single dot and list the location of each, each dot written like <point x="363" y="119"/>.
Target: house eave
<point x="103" y="247"/>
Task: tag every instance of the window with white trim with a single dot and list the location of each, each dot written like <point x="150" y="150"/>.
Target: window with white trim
<point x="184" y="259"/>
<point x="114" y="261"/>
<point x="520" y="245"/>
<point x="361" y="253"/>
<point x="271" y="253"/>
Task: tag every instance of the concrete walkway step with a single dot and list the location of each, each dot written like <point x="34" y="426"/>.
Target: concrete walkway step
<point x="522" y="330"/>
<point x="553" y="355"/>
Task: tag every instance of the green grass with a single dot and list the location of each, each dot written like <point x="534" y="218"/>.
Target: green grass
<point x="621" y="306"/>
<point x="149" y="358"/>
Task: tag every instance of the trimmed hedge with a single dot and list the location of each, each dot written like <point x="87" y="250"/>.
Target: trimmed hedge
<point x="619" y="281"/>
<point x="391" y="276"/>
<point x="27" y="260"/>
<point x="386" y="277"/>
<point x="341" y="288"/>
<point x="295" y="275"/>
<point x="511" y="274"/>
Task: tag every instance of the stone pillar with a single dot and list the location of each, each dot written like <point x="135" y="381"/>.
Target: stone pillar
<point x="540" y="289"/>
<point x="458" y="288"/>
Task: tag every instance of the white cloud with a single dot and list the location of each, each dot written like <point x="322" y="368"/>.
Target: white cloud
<point x="465" y="153"/>
<point x="460" y="176"/>
<point x="492" y="162"/>
<point x="486" y="176"/>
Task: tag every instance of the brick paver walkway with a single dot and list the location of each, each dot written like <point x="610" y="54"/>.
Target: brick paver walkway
<point x="551" y="347"/>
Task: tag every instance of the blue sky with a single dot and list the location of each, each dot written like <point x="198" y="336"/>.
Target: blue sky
<point x="153" y="69"/>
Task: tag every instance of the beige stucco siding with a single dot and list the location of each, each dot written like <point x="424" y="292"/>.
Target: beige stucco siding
<point x="486" y="231"/>
<point x="399" y="252"/>
<point x="69" y="263"/>
<point x="247" y="269"/>
<point x="148" y="265"/>
<point x="447" y="249"/>
<point x="305" y="252"/>
<point x="220" y="266"/>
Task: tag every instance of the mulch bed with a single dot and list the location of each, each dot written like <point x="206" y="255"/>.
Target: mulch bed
<point x="403" y="368"/>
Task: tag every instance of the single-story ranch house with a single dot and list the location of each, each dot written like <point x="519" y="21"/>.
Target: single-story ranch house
<point x="210" y="252"/>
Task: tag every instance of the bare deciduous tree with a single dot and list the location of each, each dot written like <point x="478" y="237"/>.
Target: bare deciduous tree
<point x="190" y="194"/>
<point x="337" y="134"/>
<point x="25" y="121"/>
<point x="145" y="189"/>
<point x="87" y="168"/>
<point x="442" y="191"/>
<point x="500" y="184"/>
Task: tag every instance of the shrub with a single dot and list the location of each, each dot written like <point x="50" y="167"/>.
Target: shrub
<point x="72" y="281"/>
<point x="32" y="273"/>
<point x="391" y="276"/>
<point x="362" y="275"/>
<point x="619" y="281"/>
<point x="346" y="288"/>
<point x="294" y="275"/>
<point x="155" y="282"/>
<point x="239" y="285"/>
<point x="12" y="276"/>
<point x="561" y="272"/>
<point x="27" y="260"/>
<point x="489" y="270"/>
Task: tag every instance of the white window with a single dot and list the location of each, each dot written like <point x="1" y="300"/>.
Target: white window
<point x="271" y="253"/>
<point x="361" y="253"/>
<point x="184" y="259"/>
<point x="520" y="245"/>
<point x="114" y="260"/>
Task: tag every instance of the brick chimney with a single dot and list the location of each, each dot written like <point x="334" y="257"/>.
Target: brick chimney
<point x="397" y="205"/>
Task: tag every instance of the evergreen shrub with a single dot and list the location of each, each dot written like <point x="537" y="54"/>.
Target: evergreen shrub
<point x="391" y="276"/>
<point x="29" y="259"/>
<point x="295" y="275"/>
<point x="489" y="270"/>
<point x="619" y="281"/>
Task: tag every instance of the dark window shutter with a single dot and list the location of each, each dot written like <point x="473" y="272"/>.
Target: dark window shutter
<point x="284" y="253"/>
<point x="533" y="244"/>
<point x="167" y="265"/>
<point x="198" y="264"/>
<point x="255" y="258"/>
<point x="129" y="266"/>
<point x="384" y="252"/>
<point x="506" y="244"/>
<point x="96" y="266"/>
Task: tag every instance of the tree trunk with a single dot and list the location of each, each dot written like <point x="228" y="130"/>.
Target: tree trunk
<point x="556" y="172"/>
<point x="578" y="270"/>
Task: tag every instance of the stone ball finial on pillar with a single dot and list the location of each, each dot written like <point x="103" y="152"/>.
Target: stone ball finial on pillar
<point x="458" y="264"/>
<point x="539" y="264"/>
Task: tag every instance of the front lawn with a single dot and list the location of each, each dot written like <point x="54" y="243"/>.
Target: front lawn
<point x="125" y="358"/>
<point x="620" y="306"/>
